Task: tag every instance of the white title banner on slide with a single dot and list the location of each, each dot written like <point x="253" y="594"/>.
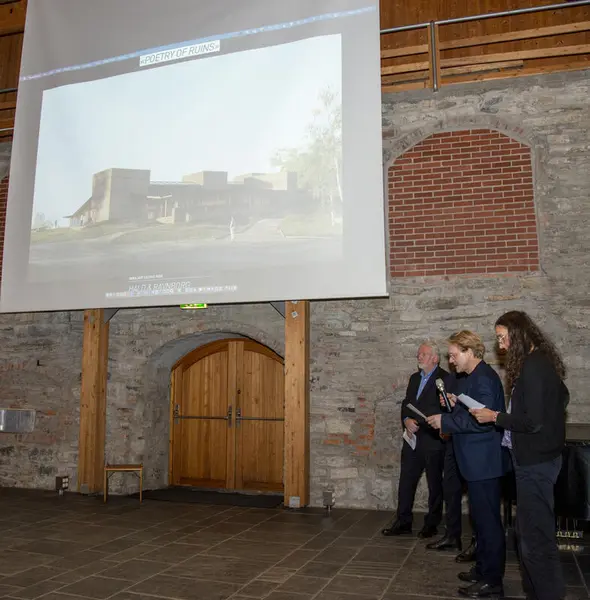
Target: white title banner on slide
<point x="164" y="56"/>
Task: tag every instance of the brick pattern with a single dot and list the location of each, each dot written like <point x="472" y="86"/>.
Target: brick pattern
<point x="462" y="203"/>
<point x="359" y="422"/>
<point x="3" y="199"/>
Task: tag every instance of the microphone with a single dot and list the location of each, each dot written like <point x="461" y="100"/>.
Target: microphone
<point x="440" y="386"/>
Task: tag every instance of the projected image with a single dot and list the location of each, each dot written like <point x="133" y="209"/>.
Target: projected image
<point x="195" y="152"/>
<point x="233" y="159"/>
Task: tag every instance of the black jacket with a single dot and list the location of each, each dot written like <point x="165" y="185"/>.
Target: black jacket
<point x="537" y="417"/>
<point x="428" y="403"/>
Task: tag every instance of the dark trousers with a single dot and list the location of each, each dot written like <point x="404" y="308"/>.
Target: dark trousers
<point x="484" y="498"/>
<point x="542" y="576"/>
<point x="452" y="492"/>
<point x="429" y="458"/>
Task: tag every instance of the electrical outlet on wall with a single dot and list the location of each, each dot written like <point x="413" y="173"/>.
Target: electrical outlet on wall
<point x="62" y="483"/>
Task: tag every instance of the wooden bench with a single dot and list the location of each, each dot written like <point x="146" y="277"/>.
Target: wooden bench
<point x="110" y="469"/>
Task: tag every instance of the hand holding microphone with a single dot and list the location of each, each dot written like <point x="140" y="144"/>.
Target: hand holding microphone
<point x="447" y="402"/>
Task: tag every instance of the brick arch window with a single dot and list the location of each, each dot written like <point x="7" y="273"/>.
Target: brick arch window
<point x="462" y="203"/>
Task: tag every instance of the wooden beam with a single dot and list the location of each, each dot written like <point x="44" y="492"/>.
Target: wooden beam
<point x="12" y="18"/>
<point x="91" y="442"/>
<point x="297" y="404"/>
<point x="514" y="36"/>
<point x="404" y="87"/>
<point x="481" y="73"/>
<point x="464" y="61"/>
<point x="470" y="77"/>
<point x="411" y="68"/>
<point x="508" y="64"/>
<point x="408" y="51"/>
<point x="8" y="105"/>
<point x="521" y="55"/>
<point x="6" y="128"/>
<point x="404" y="78"/>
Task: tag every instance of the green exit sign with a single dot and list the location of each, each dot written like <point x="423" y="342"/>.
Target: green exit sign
<point x="192" y="306"/>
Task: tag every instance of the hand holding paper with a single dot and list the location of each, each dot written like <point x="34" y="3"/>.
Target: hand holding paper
<point x="469" y="402"/>
<point x="418" y="412"/>
<point x="483" y="415"/>
<point x="410" y="439"/>
<point x="435" y="421"/>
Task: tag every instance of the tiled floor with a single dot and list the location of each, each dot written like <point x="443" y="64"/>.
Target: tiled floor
<point x="74" y="547"/>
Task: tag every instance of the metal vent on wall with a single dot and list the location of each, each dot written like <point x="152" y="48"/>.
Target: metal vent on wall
<point x="16" y="420"/>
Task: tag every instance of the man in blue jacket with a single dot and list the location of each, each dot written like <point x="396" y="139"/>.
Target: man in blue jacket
<point x="478" y="451"/>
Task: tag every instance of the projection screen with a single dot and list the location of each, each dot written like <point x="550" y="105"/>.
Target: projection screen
<point x="193" y="151"/>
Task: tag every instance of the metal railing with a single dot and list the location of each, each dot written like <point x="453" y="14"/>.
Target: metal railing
<point x="505" y="13"/>
<point x="432" y="26"/>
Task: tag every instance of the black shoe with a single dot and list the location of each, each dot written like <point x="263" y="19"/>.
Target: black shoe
<point x="396" y="528"/>
<point x="468" y="555"/>
<point x="469" y="576"/>
<point x="482" y="590"/>
<point x="427" y="532"/>
<point x="445" y="543"/>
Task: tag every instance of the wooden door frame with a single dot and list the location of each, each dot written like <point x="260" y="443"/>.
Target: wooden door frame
<point x="93" y="402"/>
<point x="296" y="455"/>
<point x="234" y="385"/>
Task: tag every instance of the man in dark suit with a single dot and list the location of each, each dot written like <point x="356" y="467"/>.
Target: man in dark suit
<point x="479" y="455"/>
<point x="430" y="449"/>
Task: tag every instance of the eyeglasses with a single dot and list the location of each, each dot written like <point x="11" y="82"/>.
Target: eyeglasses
<point x="501" y="337"/>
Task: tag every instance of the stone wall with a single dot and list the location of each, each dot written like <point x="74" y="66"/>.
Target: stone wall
<point x="144" y="344"/>
<point x="363" y="351"/>
<point x="40" y="360"/>
<point x="40" y="368"/>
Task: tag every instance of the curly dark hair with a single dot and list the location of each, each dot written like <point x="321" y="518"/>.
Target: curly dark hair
<point x="523" y="335"/>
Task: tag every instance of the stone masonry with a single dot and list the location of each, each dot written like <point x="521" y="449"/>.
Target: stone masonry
<point x="362" y="351"/>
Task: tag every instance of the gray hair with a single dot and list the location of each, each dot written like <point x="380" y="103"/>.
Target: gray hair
<point x="433" y="346"/>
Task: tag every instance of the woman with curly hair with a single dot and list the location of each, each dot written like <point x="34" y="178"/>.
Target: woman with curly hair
<point x="534" y="431"/>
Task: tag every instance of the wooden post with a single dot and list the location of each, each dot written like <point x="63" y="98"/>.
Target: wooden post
<point x="297" y="404"/>
<point x="95" y="348"/>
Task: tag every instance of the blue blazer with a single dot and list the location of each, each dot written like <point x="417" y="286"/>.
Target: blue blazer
<point x="478" y="448"/>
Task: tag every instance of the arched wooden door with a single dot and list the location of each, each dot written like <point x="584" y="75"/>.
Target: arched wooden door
<point x="227" y="418"/>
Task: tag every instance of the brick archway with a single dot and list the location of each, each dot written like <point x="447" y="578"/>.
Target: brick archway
<point x="462" y="202"/>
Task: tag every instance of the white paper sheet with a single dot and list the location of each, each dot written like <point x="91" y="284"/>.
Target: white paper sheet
<point x="410" y="438"/>
<point x="414" y="409"/>
<point x="469" y="402"/>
